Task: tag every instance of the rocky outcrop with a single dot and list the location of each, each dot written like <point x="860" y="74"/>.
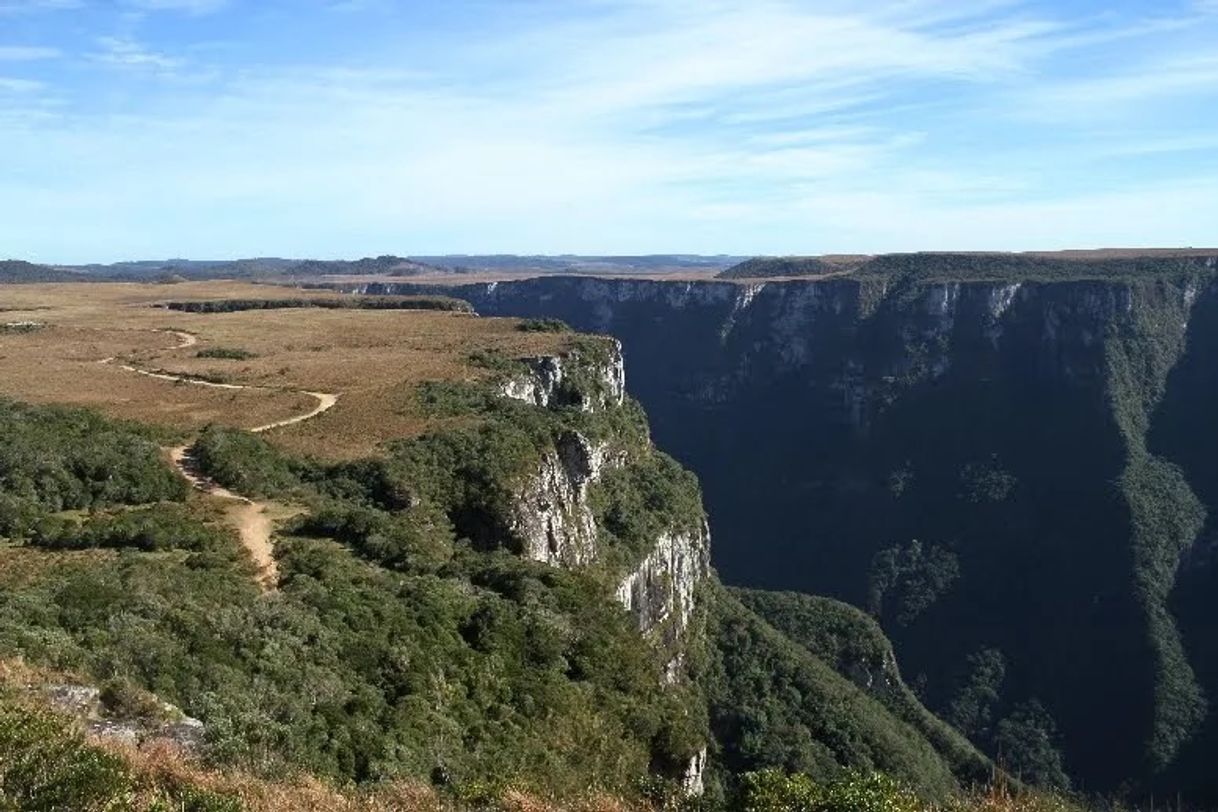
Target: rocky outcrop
<point x="551" y="517"/>
<point x="877" y="676"/>
<point x="553" y="522"/>
<point x="572" y="379"/>
<point x="693" y="782"/>
<point x="166" y="724"/>
<point x="660" y="593"/>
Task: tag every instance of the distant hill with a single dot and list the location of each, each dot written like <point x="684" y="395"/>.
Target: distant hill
<point x="386" y="265"/>
<point x="383" y="265"/>
<point x="189" y="268"/>
<point x="16" y="270"/>
<point x="573" y="263"/>
<point x="979" y="266"/>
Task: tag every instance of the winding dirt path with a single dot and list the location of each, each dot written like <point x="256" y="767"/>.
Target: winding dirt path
<point x="325" y="401"/>
<point x="253" y="520"/>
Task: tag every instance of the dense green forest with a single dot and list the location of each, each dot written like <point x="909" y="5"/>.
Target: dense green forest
<point x="413" y="647"/>
<point x="406" y="637"/>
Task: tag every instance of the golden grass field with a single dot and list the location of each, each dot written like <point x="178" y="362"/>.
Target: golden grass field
<point x="372" y="359"/>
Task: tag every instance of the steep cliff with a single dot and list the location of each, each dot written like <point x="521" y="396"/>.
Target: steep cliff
<point x="990" y="456"/>
<point x="555" y="518"/>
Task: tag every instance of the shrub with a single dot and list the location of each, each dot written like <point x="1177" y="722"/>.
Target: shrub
<point x="153" y="528"/>
<point x="543" y="326"/>
<point x="122" y="699"/>
<point x="775" y="791"/>
<point x="227" y="353"/>
<point x="70" y="459"/>
<point x="45" y="764"/>
<point x="244" y="462"/>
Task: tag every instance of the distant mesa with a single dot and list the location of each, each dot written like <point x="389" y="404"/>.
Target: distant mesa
<point x="980" y="265"/>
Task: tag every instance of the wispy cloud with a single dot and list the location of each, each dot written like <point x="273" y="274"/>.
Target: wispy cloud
<point x="26" y="53"/>
<point x="11" y="85"/>
<point x="129" y="53"/>
<point x="33" y="6"/>
<point x="187" y="6"/>
<point x="645" y="125"/>
<point x="1117" y="93"/>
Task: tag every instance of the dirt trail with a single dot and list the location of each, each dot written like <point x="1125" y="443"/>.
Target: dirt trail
<point x="253" y="520"/>
<point x="325" y="401"/>
<point x="249" y="518"/>
<point x="185" y="339"/>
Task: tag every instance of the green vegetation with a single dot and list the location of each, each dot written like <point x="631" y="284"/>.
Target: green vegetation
<point x="226" y="353"/>
<point x="638" y="502"/>
<point x="543" y="326"/>
<point x="20" y="327"/>
<point x="45" y="764"/>
<point x="906" y="580"/>
<point x="1165" y="515"/>
<point x="924" y="267"/>
<point x="776" y="704"/>
<point x="1026" y="742"/>
<point x="972" y="710"/>
<point x="55" y="459"/>
<point x="151" y="528"/>
<point x="432" y="653"/>
<point x="245" y="462"/>
<point x="493" y="667"/>
<point x="775" y="791"/>
<point x="854" y="646"/>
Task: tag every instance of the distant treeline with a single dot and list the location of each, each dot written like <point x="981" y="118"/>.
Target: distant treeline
<point x="354" y="303"/>
<point x="15" y="270"/>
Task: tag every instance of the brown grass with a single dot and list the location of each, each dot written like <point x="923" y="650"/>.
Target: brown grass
<point x="373" y="359"/>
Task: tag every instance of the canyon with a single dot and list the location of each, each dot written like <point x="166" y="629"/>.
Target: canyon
<point x="1004" y="459"/>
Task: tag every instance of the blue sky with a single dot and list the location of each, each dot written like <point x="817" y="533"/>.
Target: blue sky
<point x="343" y="128"/>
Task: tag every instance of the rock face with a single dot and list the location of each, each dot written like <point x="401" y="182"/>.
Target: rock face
<point x="592" y="384"/>
<point x="554" y="522"/>
<point x="661" y="593"/>
<point x="551" y="516"/>
<point x="555" y="525"/>
<point x="693" y="782"/>
<point x="1049" y="429"/>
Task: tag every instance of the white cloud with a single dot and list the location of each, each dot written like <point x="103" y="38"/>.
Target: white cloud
<point x="1112" y="94"/>
<point x="186" y="6"/>
<point x="19" y="85"/>
<point x="25" y="53"/>
<point x="33" y="6"/>
<point x="129" y="53"/>
<point x="649" y="126"/>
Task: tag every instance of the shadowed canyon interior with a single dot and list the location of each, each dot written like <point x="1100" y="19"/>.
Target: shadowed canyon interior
<point x="1008" y="460"/>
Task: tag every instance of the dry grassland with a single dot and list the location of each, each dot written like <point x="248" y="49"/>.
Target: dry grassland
<point x="373" y="359"/>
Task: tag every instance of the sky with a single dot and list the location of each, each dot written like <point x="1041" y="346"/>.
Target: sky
<point x="345" y="128"/>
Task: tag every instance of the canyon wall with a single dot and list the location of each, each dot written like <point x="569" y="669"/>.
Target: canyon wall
<point x="1011" y="465"/>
